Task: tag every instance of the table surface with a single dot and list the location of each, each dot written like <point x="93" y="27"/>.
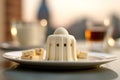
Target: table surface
<point x="12" y="71"/>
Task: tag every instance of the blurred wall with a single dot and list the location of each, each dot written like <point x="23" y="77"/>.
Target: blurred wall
<point x="63" y="12"/>
<point x="2" y="20"/>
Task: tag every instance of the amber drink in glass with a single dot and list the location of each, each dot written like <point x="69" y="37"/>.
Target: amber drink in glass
<point x="95" y="35"/>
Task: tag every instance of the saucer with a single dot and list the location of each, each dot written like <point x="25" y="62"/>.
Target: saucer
<point x="10" y="47"/>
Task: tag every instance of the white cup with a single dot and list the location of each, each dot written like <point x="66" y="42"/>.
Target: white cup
<point x="29" y="34"/>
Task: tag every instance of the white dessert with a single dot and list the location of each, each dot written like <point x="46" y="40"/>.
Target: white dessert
<point x="61" y="46"/>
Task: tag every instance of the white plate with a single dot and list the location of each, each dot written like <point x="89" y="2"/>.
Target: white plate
<point x="95" y="59"/>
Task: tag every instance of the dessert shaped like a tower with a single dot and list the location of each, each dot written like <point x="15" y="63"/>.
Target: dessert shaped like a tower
<point x="61" y="46"/>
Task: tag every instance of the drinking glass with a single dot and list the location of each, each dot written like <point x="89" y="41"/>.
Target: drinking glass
<point x="95" y="36"/>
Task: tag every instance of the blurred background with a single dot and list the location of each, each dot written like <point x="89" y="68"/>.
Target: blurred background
<point x="71" y="14"/>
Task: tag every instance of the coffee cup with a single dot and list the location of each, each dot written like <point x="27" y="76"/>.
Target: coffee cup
<point x="28" y="34"/>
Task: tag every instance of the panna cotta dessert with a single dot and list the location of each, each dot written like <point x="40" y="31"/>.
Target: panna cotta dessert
<point x="61" y="46"/>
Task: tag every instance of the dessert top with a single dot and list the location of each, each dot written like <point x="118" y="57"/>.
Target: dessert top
<point x="61" y="31"/>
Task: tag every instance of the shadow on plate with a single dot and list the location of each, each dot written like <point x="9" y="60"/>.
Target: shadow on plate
<point x="97" y="73"/>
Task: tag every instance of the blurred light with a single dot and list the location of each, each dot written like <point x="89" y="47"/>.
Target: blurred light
<point x="107" y="22"/>
<point x="43" y="22"/>
<point x="111" y="42"/>
<point x="87" y="34"/>
<point x="13" y="31"/>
